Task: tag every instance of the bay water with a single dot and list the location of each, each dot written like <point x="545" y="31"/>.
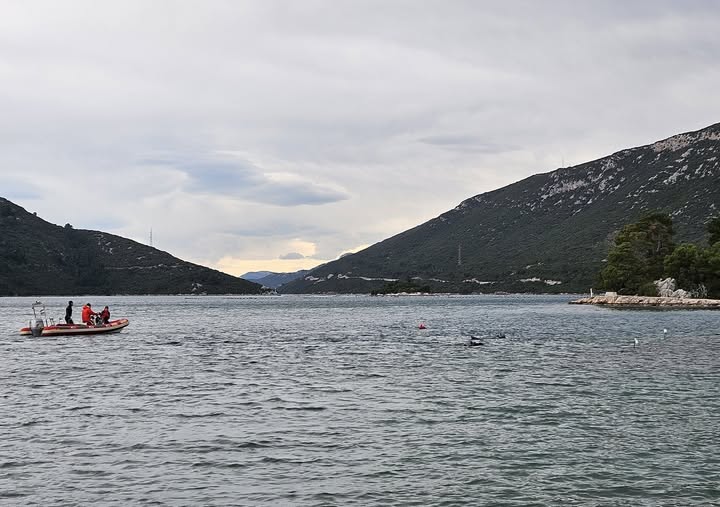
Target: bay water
<point x="343" y="400"/>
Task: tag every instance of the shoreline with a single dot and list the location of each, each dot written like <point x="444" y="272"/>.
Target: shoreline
<point x="648" y="301"/>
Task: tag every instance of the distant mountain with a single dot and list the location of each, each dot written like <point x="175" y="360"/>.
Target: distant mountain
<point x="547" y="233"/>
<point x="275" y="280"/>
<point x="256" y="275"/>
<point x="39" y="258"/>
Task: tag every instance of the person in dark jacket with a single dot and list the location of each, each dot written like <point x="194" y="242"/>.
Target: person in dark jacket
<point x="68" y="313"/>
<point x="105" y="315"/>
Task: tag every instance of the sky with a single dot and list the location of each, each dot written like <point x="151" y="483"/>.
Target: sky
<point x="278" y="135"/>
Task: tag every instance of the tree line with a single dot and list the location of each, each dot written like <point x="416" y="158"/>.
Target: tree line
<point x="645" y="251"/>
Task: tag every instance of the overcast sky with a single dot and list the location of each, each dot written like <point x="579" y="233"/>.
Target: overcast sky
<point x="275" y="135"/>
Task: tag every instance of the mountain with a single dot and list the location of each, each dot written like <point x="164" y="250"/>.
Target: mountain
<point x="547" y="233"/>
<point x="275" y="280"/>
<point x="256" y="275"/>
<point x="39" y="258"/>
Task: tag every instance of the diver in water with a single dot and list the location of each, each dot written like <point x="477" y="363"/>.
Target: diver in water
<point x="475" y="341"/>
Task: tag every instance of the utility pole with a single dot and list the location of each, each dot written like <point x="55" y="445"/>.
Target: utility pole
<point x="151" y="236"/>
<point x="459" y="254"/>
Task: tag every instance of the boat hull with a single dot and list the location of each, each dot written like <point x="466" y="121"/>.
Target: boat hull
<point x="79" y="329"/>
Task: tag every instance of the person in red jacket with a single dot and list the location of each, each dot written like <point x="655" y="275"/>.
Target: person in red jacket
<point x="87" y="314"/>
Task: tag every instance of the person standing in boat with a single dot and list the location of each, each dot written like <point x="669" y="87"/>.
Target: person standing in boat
<point x="68" y="313"/>
<point x="105" y="315"/>
<point x="88" y="314"/>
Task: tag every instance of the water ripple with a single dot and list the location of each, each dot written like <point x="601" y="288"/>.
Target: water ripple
<point x="343" y="401"/>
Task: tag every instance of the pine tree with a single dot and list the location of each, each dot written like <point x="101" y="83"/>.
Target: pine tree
<point x="713" y="228"/>
<point x="637" y="258"/>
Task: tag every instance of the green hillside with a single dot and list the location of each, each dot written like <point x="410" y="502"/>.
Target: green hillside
<point x="39" y="258"/>
<point x="547" y="233"/>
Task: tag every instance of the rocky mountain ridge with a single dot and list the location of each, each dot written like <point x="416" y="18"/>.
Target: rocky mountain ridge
<point x="546" y="233"/>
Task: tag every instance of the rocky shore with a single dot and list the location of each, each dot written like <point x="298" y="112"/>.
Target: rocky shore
<point x="647" y="301"/>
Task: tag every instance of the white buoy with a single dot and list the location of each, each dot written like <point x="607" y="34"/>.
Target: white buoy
<point x="636" y="343"/>
<point x="664" y="332"/>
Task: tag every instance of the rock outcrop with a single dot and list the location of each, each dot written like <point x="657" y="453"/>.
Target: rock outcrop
<point x="667" y="288"/>
<point x="648" y="301"/>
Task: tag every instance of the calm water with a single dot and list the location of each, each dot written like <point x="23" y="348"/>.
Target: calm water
<point x="343" y="401"/>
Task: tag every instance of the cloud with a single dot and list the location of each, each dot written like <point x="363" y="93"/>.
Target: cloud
<point x="19" y="191"/>
<point x="241" y="128"/>
<point x="240" y="179"/>
<point x="466" y="142"/>
<point x="292" y="256"/>
<point x="239" y="266"/>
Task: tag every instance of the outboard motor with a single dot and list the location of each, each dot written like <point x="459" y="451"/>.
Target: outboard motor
<point x="37" y="327"/>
